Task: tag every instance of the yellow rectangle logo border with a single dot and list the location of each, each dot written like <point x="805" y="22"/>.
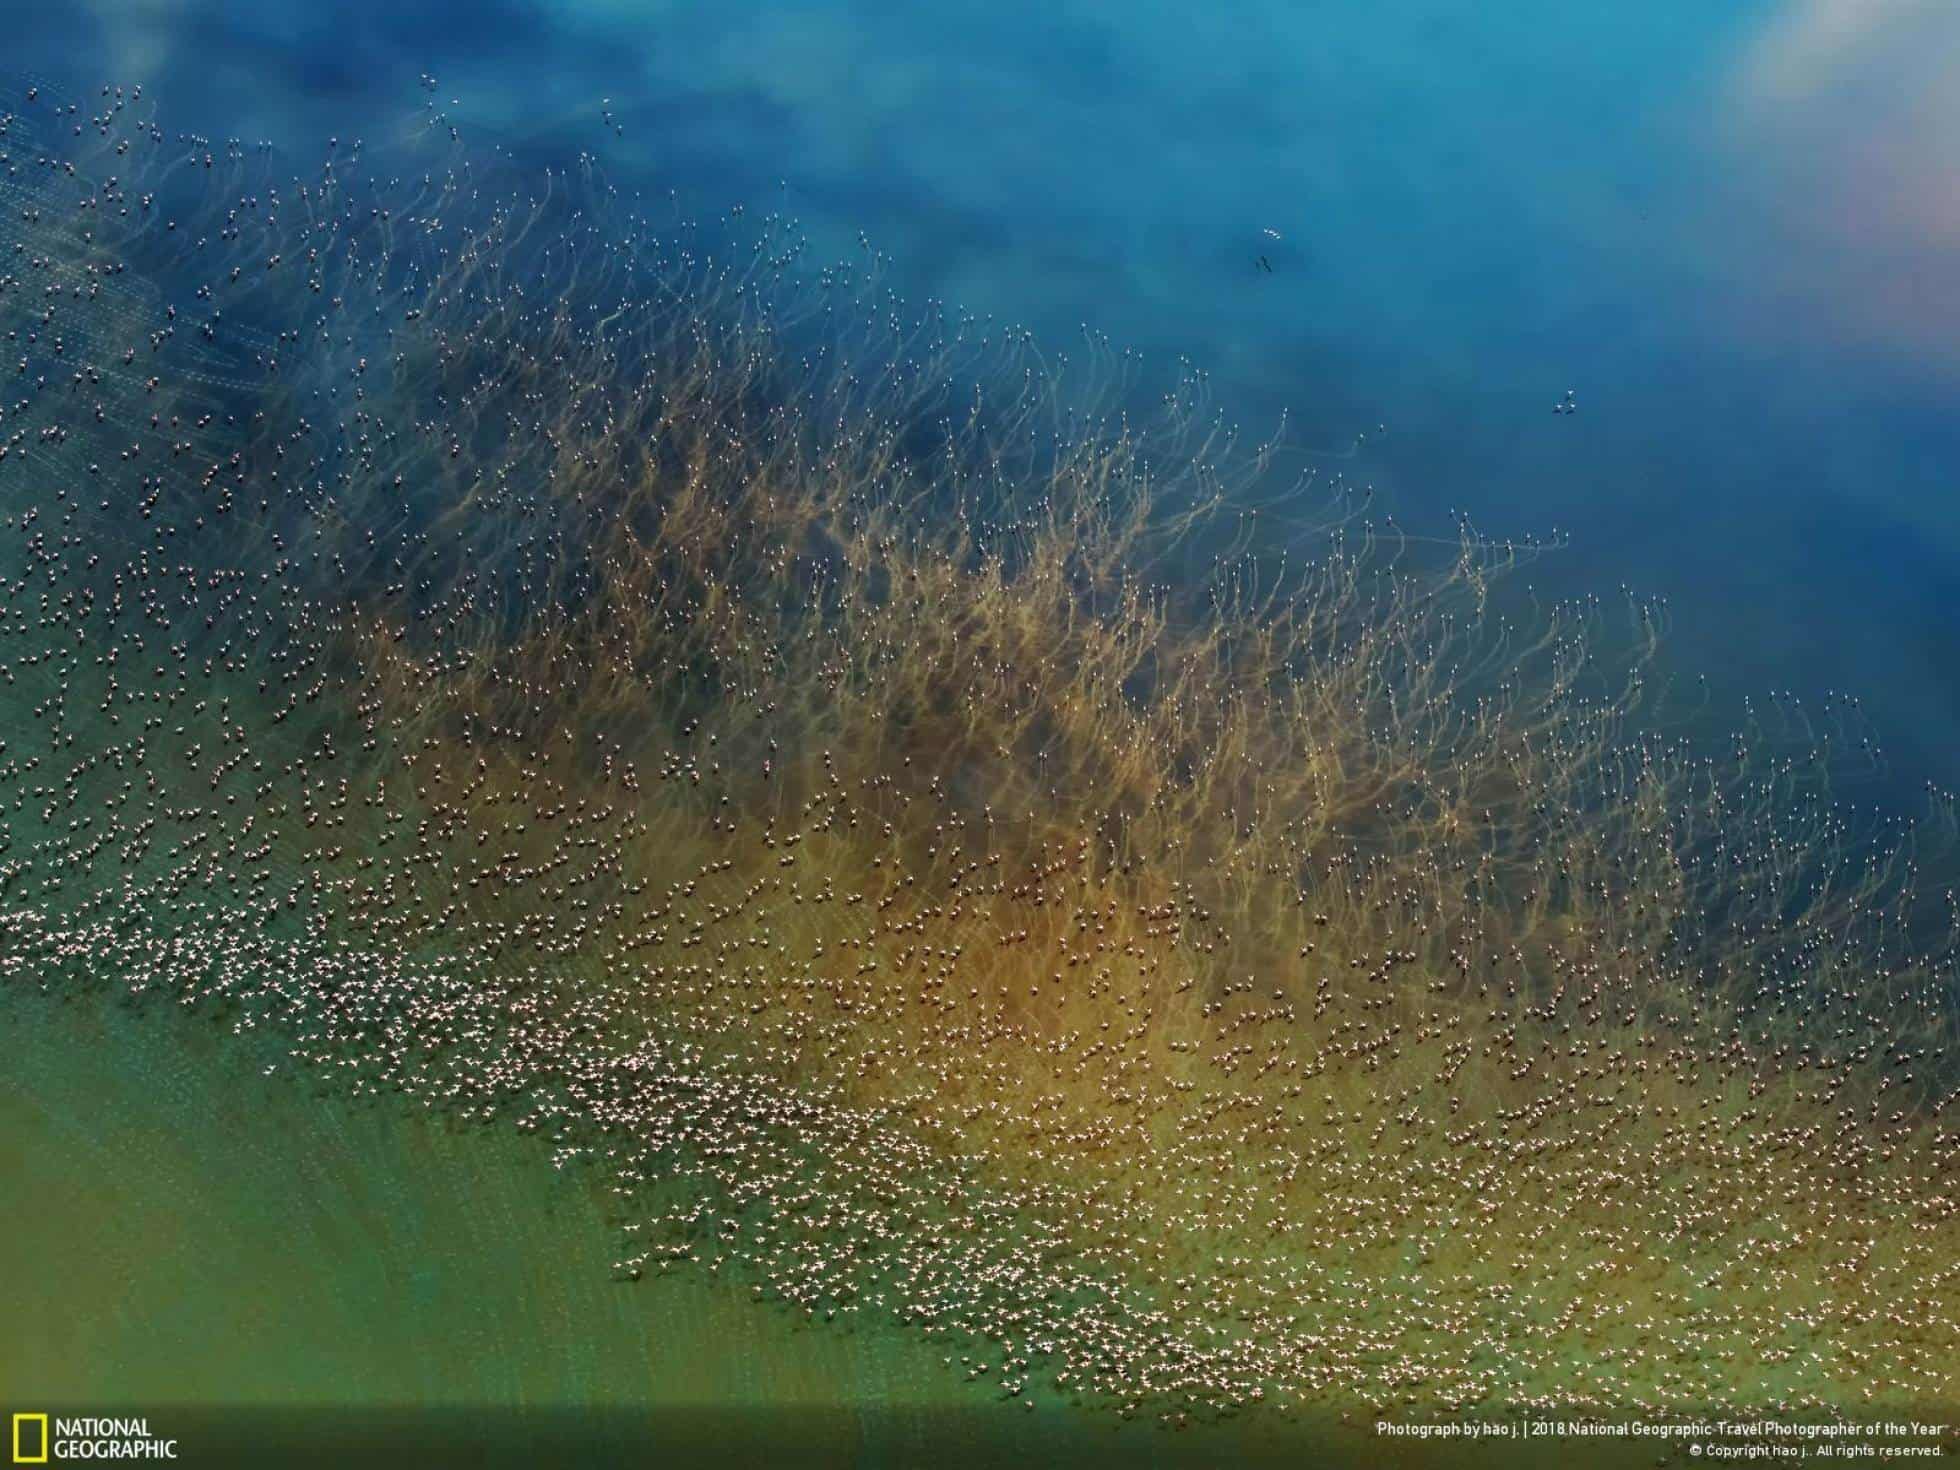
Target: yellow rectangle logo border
<point x="40" y="1459"/>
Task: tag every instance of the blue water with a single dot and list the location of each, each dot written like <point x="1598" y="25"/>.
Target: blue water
<point x="1732" y="231"/>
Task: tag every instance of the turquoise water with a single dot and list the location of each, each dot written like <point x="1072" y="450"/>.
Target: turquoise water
<point x="1728" y="228"/>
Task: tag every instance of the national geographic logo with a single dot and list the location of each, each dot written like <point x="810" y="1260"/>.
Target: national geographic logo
<point x="37" y="1439"/>
<point x="30" y="1439"/>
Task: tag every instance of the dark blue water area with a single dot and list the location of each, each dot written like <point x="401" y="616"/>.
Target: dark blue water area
<point x="1730" y="232"/>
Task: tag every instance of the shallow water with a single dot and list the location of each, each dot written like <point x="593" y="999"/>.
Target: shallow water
<point x="224" y="1250"/>
<point x="200" y="1235"/>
